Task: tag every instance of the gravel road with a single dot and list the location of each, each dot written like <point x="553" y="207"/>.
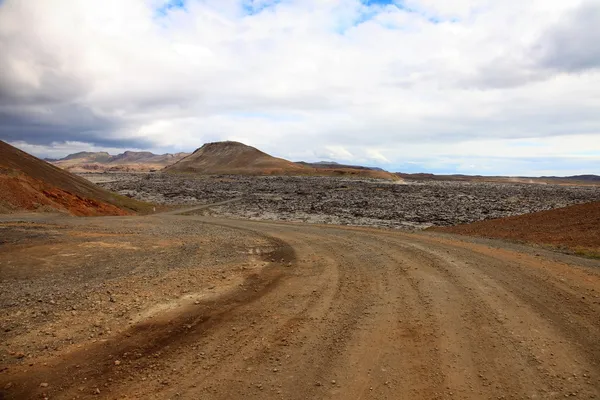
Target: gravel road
<point x="206" y="308"/>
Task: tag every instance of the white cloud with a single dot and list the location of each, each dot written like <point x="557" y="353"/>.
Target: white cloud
<point x="377" y="157"/>
<point x="305" y="78"/>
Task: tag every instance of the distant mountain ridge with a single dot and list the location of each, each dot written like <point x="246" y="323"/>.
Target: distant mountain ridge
<point x="102" y="155"/>
<point x="129" y="161"/>
<point x="333" y="164"/>
<point x="588" y="179"/>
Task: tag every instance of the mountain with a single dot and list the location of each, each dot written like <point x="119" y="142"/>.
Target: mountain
<point x="31" y="184"/>
<point x="578" y="178"/>
<point x="129" y="161"/>
<point x="543" y="180"/>
<point x="234" y="158"/>
<point x="99" y="156"/>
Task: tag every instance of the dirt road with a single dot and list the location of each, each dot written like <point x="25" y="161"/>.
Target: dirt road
<point x="325" y="312"/>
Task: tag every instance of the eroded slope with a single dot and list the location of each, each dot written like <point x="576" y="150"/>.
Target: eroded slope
<point x="31" y="184"/>
<point x="575" y="228"/>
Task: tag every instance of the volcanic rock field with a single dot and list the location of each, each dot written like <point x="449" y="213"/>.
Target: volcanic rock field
<point x="412" y="205"/>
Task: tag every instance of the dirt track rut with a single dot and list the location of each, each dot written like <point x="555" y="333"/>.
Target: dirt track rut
<point x="354" y="313"/>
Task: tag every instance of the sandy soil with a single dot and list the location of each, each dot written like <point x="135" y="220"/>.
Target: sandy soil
<point x="188" y="307"/>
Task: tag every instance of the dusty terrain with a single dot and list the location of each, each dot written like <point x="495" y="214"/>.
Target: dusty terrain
<point x="575" y="229"/>
<point x="348" y="201"/>
<point x="190" y="307"/>
<point x="28" y="183"/>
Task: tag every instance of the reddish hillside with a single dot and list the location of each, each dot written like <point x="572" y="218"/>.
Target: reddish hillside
<point x="29" y="183"/>
<point x="233" y="158"/>
<point x="575" y="228"/>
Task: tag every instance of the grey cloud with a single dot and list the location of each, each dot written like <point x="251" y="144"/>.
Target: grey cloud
<point x="64" y="123"/>
<point x="52" y="88"/>
<point x="504" y="74"/>
<point x="31" y="75"/>
<point x="572" y="45"/>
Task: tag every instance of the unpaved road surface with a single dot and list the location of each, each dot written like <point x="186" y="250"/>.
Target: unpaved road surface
<point x="220" y="309"/>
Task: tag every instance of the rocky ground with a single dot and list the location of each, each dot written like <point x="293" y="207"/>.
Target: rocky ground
<point x="417" y="204"/>
<point x="189" y="307"/>
<point x="102" y="276"/>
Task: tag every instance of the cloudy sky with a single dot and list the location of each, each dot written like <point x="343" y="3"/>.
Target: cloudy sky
<point x="449" y="86"/>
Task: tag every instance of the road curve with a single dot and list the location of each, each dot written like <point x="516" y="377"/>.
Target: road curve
<point x="355" y="313"/>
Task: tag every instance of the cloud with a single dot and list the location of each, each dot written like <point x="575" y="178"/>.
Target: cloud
<point x="571" y="44"/>
<point x="383" y="80"/>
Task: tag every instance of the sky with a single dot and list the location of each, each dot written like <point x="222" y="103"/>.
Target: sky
<point x="484" y="87"/>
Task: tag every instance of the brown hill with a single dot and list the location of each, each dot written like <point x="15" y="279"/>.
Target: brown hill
<point x="130" y="161"/>
<point x="574" y="228"/>
<point x="29" y="183"/>
<point x="234" y="158"/>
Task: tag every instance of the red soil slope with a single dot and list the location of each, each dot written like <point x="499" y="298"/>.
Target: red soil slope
<point x="30" y="184"/>
<point x="575" y="228"/>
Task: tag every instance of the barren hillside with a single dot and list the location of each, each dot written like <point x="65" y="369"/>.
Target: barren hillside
<point x="234" y="158"/>
<point x="29" y="183"/>
<point x="129" y="161"/>
<point x="575" y="228"/>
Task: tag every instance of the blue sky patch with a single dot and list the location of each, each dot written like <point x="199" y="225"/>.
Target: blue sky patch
<point x="379" y="2"/>
<point x="253" y="7"/>
<point x="170" y="5"/>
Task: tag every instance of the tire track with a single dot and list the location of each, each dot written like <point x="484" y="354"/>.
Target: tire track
<point x="372" y="314"/>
